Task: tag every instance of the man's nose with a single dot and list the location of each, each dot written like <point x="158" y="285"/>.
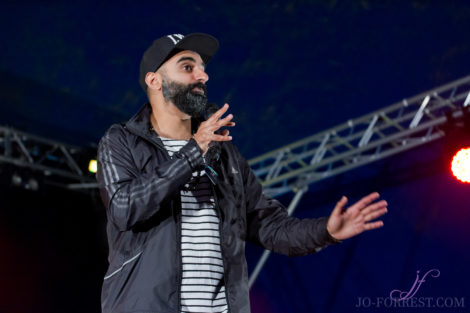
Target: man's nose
<point x="201" y="75"/>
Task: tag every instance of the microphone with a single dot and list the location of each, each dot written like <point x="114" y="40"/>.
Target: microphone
<point x="213" y="154"/>
<point x="211" y="108"/>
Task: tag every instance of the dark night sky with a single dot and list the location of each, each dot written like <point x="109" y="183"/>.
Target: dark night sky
<point x="288" y="68"/>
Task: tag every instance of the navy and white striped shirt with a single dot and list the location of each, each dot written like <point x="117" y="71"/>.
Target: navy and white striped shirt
<point x="202" y="285"/>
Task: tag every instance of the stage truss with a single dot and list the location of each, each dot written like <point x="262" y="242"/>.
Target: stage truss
<point x="59" y="162"/>
<point x="399" y="127"/>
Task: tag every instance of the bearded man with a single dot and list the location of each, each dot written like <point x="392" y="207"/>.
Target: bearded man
<point x="181" y="201"/>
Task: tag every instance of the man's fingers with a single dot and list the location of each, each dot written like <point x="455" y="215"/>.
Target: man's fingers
<point x="364" y="202"/>
<point x="373" y="225"/>
<point x="219" y="113"/>
<point x="373" y="215"/>
<point x="220" y="138"/>
<point x="207" y="130"/>
<point x="224" y="121"/>
<point x="375" y="206"/>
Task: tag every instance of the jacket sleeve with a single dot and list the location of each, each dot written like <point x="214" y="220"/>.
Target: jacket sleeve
<point x="269" y="226"/>
<point x="131" y="197"/>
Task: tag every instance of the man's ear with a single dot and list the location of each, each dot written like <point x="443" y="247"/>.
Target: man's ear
<point x="153" y="80"/>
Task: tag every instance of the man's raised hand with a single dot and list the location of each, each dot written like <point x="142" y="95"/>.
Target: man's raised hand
<point x="206" y="132"/>
<point x="346" y="223"/>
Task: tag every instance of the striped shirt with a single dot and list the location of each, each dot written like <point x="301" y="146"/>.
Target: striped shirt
<point x="202" y="284"/>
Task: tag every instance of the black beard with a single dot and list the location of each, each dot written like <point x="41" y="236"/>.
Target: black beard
<point x="182" y="96"/>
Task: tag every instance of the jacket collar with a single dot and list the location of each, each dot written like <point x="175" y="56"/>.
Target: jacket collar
<point x="140" y="124"/>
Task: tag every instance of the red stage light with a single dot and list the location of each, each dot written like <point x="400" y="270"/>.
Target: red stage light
<point x="461" y="165"/>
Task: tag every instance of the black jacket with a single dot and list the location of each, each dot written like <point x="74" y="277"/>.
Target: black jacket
<point x="140" y="187"/>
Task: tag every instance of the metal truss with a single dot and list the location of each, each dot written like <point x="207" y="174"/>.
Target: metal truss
<point x="402" y="126"/>
<point x="399" y="127"/>
<point x="51" y="157"/>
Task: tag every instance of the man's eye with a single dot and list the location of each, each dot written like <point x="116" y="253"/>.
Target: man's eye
<point x="188" y="68"/>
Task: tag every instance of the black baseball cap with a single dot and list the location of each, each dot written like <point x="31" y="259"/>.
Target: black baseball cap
<point x="165" y="47"/>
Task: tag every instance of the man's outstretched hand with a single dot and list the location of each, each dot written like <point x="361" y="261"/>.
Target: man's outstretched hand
<point x="346" y="223"/>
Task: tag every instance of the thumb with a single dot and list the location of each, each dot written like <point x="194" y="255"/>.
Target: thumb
<point x="340" y="206"/>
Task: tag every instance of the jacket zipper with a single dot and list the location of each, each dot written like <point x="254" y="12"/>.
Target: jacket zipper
<point x="217" y="210"/>
<point x="179" y="257"/>
<point x="179" y="279"/>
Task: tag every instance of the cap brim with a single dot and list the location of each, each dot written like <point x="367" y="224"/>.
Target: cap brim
<point x="205" y="45"/>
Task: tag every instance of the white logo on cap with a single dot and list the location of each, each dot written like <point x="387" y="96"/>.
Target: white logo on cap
<point x="175" y="38"/>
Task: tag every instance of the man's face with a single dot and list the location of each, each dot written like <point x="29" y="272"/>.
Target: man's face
<point x="183" y="83"/>
<point x="190" y="99"/>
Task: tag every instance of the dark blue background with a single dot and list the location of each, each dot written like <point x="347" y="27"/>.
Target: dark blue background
<point x="288" y="69"/>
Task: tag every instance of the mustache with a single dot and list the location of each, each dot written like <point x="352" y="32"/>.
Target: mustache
<point x="198" y="85"/>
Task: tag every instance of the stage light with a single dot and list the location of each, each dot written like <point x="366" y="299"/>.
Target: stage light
<point x="28" y="180"/>
<point x="461" y="165"/>
<point x="93" y="166"/>
<point x="32" y="184"/>
<point x="457" y="145"/>
<point x="16" y="180"/>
